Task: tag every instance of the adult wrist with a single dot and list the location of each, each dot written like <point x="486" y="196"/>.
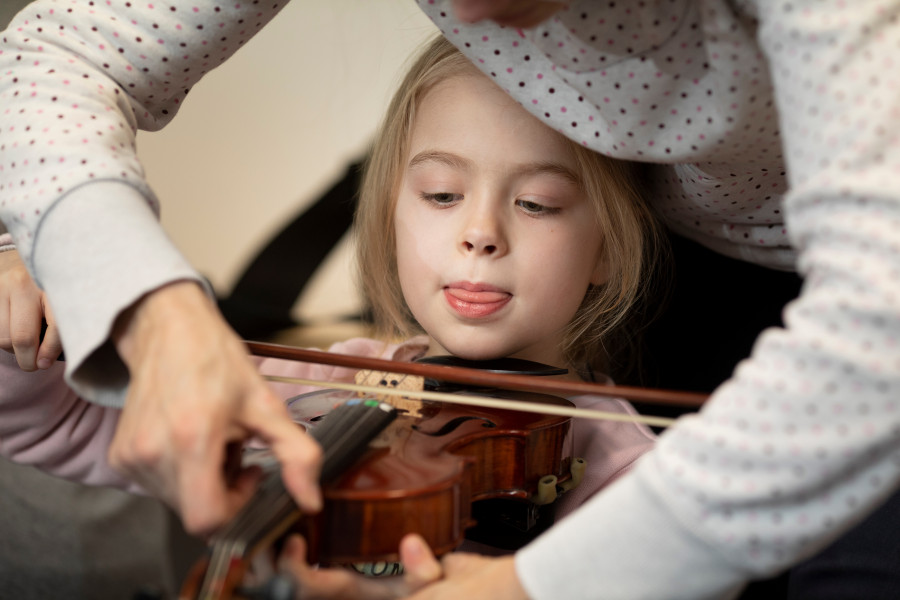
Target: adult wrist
<point x="171" y="306"/>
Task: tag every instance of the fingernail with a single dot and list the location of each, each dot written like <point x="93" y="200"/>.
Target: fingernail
<point x="412" y="544"/>
<point x="44" y="363"/>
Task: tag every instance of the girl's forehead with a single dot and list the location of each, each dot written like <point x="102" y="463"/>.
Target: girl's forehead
<point x="468" y="113"/>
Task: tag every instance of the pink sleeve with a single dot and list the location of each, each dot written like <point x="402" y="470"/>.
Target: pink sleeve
<point x="43" y="423"/>
<point x="610" y="448"/>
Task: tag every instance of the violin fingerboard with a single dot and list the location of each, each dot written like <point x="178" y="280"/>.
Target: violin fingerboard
<point x="344" y="435"/>
<point x="346" y="431"/>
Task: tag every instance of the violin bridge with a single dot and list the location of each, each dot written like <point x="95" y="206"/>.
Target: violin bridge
<point x="411" y="405"/>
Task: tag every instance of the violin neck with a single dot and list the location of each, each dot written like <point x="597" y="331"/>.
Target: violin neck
<point x="344" y="435"/>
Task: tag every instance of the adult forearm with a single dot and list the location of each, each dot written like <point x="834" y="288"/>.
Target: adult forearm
<point x="81" y="78"/>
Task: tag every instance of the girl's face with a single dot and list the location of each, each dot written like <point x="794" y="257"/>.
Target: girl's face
<point x="496" y="242"/>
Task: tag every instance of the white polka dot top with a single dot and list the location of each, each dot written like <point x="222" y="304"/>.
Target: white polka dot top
<point x="675" y="83"/>
<point x="736" y="101"/>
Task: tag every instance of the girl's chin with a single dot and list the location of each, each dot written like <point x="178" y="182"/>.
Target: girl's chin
<point x="472" y="351"/>
<point x="477" y="351"/>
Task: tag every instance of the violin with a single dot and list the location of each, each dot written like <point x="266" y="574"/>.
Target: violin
<point x="423" y="473"/>
<point x="426" y="471"/>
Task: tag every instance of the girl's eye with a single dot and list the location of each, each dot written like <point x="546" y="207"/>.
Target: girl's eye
<point x="534" y="208"/>
<point x="441" y="198"/>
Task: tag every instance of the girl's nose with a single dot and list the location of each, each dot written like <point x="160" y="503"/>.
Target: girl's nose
<point x="480" y="247"/>
<point x="483" y="234"/>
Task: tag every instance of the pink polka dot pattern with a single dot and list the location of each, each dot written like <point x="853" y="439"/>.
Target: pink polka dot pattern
<point x="668" y="84"/>
<point x="733" y="101"/>
<point x="78" y="78"/>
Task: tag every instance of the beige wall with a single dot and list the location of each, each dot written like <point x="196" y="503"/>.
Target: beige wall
<point x="268" y="131"/>
<point x="271" y="128"/>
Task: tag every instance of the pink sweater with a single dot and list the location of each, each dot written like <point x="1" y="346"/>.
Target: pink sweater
<point x="43" y="422"/>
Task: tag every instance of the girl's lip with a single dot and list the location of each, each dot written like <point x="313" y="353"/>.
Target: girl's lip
<point x="475" y="300"/>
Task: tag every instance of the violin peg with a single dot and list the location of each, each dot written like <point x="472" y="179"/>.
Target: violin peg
<point x="576" y="470"/>
<point x="546" y="490"/>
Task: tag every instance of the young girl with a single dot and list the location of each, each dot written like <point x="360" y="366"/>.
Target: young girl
<point x="482" y="233"/>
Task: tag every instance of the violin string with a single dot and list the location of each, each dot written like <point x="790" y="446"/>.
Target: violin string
<point x="271" y="510"/>
<point x="270" y="507"/>
<point x="483" y="401"/>
<point x="233" y="540"/>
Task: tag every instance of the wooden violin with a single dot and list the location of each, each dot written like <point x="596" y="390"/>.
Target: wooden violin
<point x="425" y="471"/>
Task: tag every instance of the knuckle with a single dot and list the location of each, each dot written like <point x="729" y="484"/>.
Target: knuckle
<point x="22" y="340"/>
<point x="184" y="432"/>
<point x="142" y="451"/>
<point x="20" y="277"/>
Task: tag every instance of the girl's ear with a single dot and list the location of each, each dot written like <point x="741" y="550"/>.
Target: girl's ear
<point x="601" y="272"/>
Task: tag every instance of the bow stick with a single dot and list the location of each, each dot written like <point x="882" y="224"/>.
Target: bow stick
<point x="479" y="377"/>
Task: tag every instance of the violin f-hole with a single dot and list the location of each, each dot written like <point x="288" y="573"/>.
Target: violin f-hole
<point x="454" y="424"/>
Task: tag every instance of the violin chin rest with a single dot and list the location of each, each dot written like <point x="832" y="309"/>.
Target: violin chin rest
<point x="507" y="366"/>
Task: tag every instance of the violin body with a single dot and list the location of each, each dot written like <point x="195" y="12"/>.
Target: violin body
<point x="423" y="473"/>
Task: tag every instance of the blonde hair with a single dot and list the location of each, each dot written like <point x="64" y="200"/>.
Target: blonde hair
<point x="630" y="233"/>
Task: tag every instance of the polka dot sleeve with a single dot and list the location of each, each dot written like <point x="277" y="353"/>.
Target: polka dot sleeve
<point x="663" y="82"/>
<point x="78" y="78"/>
<point x="728" y="97"/>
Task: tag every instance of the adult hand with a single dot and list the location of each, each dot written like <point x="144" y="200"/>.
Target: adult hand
<point x="23" y="307"/>
<point x="195" y="395"/>
<point x="510" y="13"/>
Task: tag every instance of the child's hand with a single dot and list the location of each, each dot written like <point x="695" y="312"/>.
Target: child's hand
<point x="23" y="307"/>
<point x="420" y="566"/>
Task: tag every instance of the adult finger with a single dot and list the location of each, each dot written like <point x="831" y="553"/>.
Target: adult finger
<point x="205" y="499"/>
<point x="298" y="453"/>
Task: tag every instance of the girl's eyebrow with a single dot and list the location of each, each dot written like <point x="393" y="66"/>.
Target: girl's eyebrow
<point x="458" y="162"/>
<point x="445" y="158"/>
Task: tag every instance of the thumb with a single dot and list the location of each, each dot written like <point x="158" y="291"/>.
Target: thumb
<point x="419" y="564"/>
